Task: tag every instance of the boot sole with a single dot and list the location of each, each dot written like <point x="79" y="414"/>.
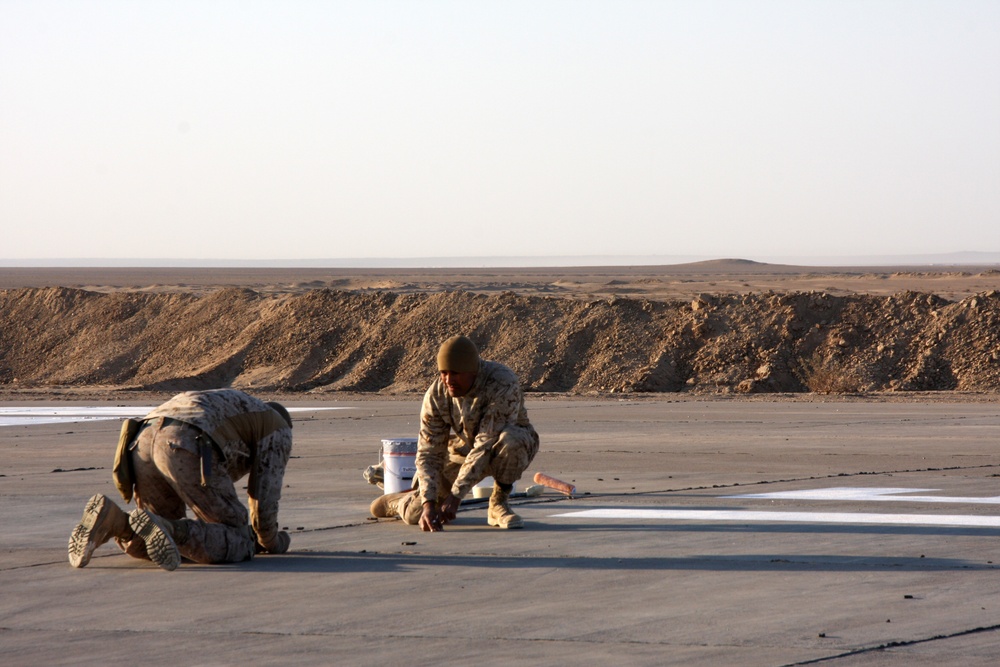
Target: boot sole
<point x="80" y="546"/>
<point x="160" y="546"/>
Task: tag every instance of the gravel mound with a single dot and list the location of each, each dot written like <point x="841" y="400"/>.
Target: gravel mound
<point x="361" y="341"/>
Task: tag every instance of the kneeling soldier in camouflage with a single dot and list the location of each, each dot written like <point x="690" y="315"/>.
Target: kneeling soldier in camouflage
<point x="188" y="453"/>
<point x="473" y="425"/>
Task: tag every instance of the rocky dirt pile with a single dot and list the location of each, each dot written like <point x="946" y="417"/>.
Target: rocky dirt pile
<point x="331" y="340"/>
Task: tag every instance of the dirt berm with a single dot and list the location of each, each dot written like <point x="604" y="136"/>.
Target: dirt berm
<point x="332" y="340"/>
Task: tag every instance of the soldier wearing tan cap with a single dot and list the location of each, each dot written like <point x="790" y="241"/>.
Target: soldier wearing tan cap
<point x="473" y="424"/>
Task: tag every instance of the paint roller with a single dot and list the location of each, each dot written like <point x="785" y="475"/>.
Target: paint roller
<point x="554" y="484"/>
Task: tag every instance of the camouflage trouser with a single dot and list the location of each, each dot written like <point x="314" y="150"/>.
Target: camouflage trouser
<point x="510" y="456"/>
<point x="168" y="480"/>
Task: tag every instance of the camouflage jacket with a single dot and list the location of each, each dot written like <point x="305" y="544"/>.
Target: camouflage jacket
<point x="238" y="423"/>
<point x="466" y="428"/>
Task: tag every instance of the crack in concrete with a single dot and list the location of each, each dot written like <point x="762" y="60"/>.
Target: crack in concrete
<point x="894" y="644"/>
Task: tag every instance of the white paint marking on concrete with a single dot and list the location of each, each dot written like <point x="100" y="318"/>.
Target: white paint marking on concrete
<point x="749" y="516"/>
<point x="861" y="494"/>
<point x="31" y="416"/>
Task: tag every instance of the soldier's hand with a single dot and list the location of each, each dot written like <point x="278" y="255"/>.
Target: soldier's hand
<point x="449" y="508"/>
<point x="430" y="518"/>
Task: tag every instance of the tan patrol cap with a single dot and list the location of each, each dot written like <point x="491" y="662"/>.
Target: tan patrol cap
<point x="458" y="354"/>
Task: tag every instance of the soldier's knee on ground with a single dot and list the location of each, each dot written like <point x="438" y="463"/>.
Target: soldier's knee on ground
<point x="405" y="505"/>
<point x="240" y="547"/>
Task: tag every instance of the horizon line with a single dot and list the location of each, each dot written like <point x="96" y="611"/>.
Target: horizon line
<point x="960" y="258"/>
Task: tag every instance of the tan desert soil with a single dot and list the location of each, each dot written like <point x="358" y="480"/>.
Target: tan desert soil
<point x="728" y="327"/>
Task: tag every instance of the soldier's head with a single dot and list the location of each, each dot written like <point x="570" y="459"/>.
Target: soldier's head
<point x="458" y="364"/>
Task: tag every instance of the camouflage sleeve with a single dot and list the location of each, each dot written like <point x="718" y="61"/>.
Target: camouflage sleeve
<point x="432" y="444"/>
<point x="273" y="452"/>
<point x="500" y="410"/>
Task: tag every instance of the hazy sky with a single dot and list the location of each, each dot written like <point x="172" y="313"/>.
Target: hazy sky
<point x="298" y="129"/>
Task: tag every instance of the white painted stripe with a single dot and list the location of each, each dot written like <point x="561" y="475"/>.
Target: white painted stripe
<point x="116" y="411"/>
<point x="861" y="494"/>
<point x="77" y="410"/>
<point x="31" y="416"/>
<point x="748" y="516"/>
<point x="35" y="421"/>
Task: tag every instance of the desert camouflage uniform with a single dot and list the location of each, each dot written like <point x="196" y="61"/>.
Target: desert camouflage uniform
<point x="230" y="429"/>
<point x="484" y="433"/>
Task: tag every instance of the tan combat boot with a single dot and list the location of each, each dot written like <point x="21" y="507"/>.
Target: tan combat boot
<point x="158" y="534"/>
<point x="499" y="513"/>
<point x="406" y="506"/>
<point x="102" y="520"/>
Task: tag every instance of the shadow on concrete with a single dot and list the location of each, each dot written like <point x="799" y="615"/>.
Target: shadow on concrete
<point x="330" y="562"/>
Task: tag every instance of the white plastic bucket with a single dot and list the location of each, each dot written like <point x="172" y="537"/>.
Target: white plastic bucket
<point x="485" y="488"/>
<point x="399" y="458"/>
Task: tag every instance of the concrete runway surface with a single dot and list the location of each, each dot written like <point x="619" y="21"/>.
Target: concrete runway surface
<point x="705" y="532"/>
